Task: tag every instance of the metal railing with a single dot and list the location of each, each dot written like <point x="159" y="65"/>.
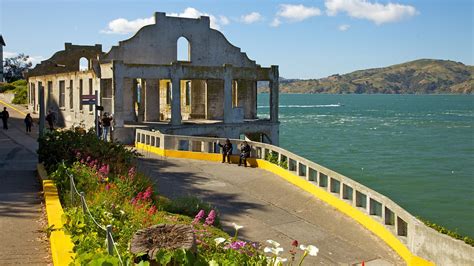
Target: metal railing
<point x="111" y="245"/>
<point x="380" y="208"/>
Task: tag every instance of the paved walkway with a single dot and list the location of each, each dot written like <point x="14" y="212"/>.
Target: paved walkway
<point x="20" y="203"/>
<point x="269" y="208"/>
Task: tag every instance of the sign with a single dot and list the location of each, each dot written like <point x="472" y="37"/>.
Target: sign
<point x="88" y="100"/>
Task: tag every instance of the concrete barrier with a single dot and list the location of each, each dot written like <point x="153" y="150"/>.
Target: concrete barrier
<point x="416" y="243"/>
<point x="61" y="244"/>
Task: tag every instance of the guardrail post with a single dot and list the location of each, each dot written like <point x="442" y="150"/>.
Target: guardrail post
<point x="110" y="242"/>
<point x="83" y="201"/>
<point x="71" y="188"/>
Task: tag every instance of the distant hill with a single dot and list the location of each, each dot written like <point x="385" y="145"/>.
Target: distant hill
<point x="424" y="76"/>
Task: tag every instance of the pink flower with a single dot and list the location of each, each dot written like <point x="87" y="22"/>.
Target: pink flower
<point x="131" y="172"/>
<point x="152" y="210"/>
<point x="107" y="187"/>
<point x="104" y="170"/>
<point x="88" y="158"/>
<point x="199" y="216"/>
<point x="148" y="192"/>
<point x="210" y="218"/>
<point x="237" y="245"/>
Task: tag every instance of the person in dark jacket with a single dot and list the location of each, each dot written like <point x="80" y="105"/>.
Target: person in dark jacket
<point x="106" y="123"/>
<point x="28" y="123"/>
<point x="51" y="119"/>
<point x="5" y="115"/>
<point x="244" y="153"/>
<point x="226" y="150"/>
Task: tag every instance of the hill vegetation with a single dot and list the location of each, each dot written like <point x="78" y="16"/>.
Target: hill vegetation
<point x="424" y="76"/>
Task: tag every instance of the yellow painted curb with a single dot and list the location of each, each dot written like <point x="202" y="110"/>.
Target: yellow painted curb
<point x="365" y="220"/>
<point x="61" y="244"/>
<point x="12" y="107"/>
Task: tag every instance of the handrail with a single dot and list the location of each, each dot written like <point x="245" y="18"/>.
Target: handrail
<point x="86" y="210"/>
<point x="405" y="222"/>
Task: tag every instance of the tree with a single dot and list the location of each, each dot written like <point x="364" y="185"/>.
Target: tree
<point x="15" y="66"/>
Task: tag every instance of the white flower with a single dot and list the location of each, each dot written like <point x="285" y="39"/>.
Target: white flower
<point x="312" y="250"/>
<point x="275" y="251"/>
<point x="280" y="260"/>
<point x="213" y="263"/>
<point x="237" y="227"/>
<point x="276" y="261"/>
<point x="122" y="212"/>
<point x="219" y="240"/>
<point x="273" y="243"/>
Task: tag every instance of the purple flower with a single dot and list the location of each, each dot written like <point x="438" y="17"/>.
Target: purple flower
<point x="237" y="245"/>
<point x="131" y="172"/>
<point x="210" y="218"/>
<point x="199" y="217"/>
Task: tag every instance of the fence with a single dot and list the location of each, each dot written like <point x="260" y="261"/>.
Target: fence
<point x="413" y="236"/>
<point x="85" y="209"/>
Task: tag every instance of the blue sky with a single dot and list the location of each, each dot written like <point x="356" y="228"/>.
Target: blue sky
<point x="307" y="39"/>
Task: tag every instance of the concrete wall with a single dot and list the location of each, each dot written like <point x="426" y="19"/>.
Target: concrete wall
<point x="215" y="100"/>
<point x="67" y="115"/>
<point x="198" y="99"/>
<point x="157" y="44"/>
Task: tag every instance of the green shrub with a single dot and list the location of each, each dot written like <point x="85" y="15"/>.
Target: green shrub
<point x="20" y="82"/>
<point x="21" y="95"/>
<point x="64" y="146"/>
<point x="6" y="87"/>
<point x="190" y="206"/>
<point x="272" y="157"/>
<point x="468" y="240"/>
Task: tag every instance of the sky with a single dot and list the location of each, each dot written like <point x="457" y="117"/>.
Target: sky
<point x="307" y="39"/>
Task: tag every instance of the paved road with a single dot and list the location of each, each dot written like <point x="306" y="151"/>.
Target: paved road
<point x="20" y="204"/>
<point x="269" y="208"/>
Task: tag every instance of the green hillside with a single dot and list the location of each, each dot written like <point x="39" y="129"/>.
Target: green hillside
<point x="424" y="76"/>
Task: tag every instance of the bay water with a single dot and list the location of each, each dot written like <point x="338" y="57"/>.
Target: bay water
<point x="416" y="149"/>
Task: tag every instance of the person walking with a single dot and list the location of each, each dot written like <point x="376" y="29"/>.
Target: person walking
<point x="106" y="123"/>
<point x="226" y="150"/>
<point x="28" y="123"/>
<point x="5" y="115"/>
<point x="244" y="153"/>
<point x="51" y="118"/>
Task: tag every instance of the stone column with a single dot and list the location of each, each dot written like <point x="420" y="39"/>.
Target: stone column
<point x="228" y="94"/>
<point x="274" y="88"/>
<point x="175" y="101"/>
<point x="152" y="100"/>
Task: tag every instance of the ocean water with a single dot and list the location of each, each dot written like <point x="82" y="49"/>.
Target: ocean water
<point x="416" y="149"/>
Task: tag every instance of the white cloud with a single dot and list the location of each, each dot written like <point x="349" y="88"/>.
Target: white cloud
<point x="124" y="26"/>
<point x="376" y="12"/>
<point x="343" y="27"/>
<point x="224" y="20"/>
<point x="34" y="59"/>
<point x="276" y="22"/>
<point x="251" y="18"/>
<point x="297" y="12"/>
<point x="191" y="12"/>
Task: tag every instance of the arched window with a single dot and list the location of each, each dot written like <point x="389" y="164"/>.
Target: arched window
<point x="184" y="49"/>
<point x="83" y="64"/>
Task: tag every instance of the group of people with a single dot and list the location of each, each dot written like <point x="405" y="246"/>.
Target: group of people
<point x="105" y="123"/>
<point x="5" y="115"/>
<point x="227" y="152"/>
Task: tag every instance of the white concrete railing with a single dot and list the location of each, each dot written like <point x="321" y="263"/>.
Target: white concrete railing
<point x="420" y="239"/>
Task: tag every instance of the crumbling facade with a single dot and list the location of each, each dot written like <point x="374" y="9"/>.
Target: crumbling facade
<point x="216" y="86"/>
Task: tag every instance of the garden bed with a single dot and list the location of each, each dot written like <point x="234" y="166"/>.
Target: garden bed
<point x="105" y="199"/>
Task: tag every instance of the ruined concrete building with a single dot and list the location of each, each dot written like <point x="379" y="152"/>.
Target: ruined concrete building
<point x="216" y="91"/>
